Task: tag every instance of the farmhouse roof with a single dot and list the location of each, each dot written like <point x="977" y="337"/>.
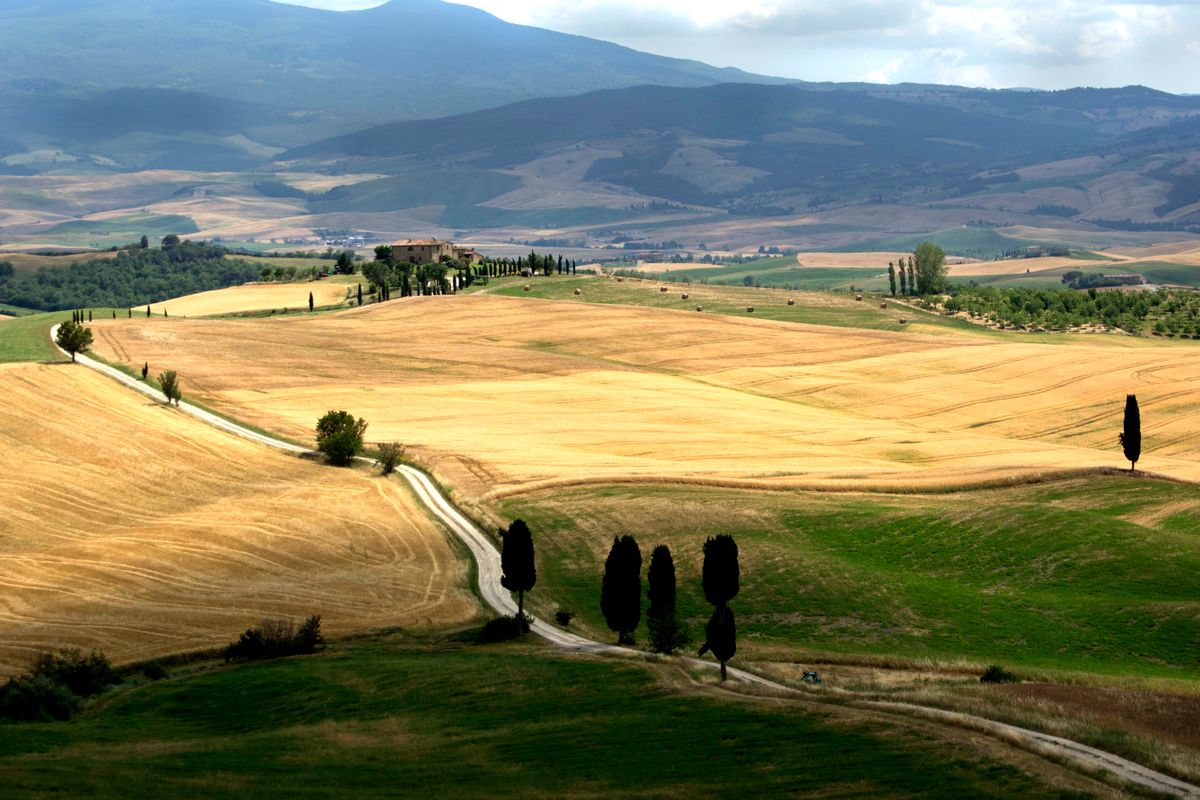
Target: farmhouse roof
<point x="422" y="241"/>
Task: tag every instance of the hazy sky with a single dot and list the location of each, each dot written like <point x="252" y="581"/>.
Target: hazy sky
<point x="1049" y="44"/>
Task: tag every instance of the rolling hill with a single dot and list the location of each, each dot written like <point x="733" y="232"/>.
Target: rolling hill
<point x="760" y="150"/>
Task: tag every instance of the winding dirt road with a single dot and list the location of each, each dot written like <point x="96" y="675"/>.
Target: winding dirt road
<point x="487" y="560"/>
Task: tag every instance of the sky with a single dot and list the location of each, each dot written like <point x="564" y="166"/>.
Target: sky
<point x="1052" y="44"/>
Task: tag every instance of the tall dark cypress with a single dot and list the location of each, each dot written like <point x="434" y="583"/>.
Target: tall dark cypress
<point x="720" y="580"/>
<point x="517" y="563"/>
<point x="310" y="301"/>
<point x="663" y="627"/>
<point x="621" y="588"/>
<point x="892" y="278"/>
<point x="1131" y="437"/>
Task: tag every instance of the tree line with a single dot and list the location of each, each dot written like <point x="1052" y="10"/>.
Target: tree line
<point x="390" y="272"/>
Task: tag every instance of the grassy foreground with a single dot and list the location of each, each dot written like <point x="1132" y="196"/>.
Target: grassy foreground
<point x="372" y="719"/>
<point x="1099" y="576"/>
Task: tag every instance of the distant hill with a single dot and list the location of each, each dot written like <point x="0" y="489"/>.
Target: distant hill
<point x="404" y="59"/>
<point x="776" y="149"/>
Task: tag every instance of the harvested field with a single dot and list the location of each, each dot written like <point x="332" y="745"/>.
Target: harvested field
<point x="136" y="529"/>
<point x="503" y="394"/>
<point x="254" y="297"/>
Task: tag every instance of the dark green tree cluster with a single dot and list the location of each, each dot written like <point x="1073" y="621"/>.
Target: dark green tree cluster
<point x="621" y="588"/>
<point x="130" y="278"/>
<point x="1060" y="309"/>
<point x="275" y="638"/>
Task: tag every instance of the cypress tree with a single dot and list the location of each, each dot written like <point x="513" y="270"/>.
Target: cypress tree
<point x="360" y="294"/>
<point x="621" y="588"/>
<point x="310" y="301"/>
<point x="665" y="635"/>
<point x="517" y="564"/>
<point x="147" y="311"/>
<point x="912" y="275"/>
<point x="892" y="278"/>
<point x="130" y="313"/>
<point x="89" y="315"/>
<point x="1131" y="437"/>
<point x="720" y="580"/>
<point x="145" y="370"/>
<point x="903" y="279"/>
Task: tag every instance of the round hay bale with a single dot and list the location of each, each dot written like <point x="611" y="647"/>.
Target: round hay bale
<point x="684" y="296"/>
<point x="620" y="279"/>
<point x="858" y="298"/>
<point x="791" y="302"/>
<point x="883" y="305"/>
<point x="578" y="292"/>
<point x="662" y="288"/>
<point x="903" y="321"/>
<point x="699" y="308"/>
<point x="528" y="287"/>
<point x="749" y="309"/>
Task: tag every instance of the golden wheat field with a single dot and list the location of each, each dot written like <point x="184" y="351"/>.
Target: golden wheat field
<point x="134" y="528"/>
<point x="254" y="297"/>
<point x="505" y="394"/>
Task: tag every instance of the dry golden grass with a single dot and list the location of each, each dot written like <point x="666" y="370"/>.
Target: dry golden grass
<point x="134" y="528"/>
<point x="1018" y="266"/>
<point x="502" y="394"/>
<point x="253" y="297"/>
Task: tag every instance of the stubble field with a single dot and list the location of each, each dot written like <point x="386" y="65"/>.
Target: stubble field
<point x="503" y="395"/>
<point x="252" y="297"/>
<point x="135" y="529"/>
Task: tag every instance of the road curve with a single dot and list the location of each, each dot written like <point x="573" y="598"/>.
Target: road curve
<point x="487" y="560"/>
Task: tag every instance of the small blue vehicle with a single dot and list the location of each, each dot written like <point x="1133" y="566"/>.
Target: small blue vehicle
<point x="811" y="678"/>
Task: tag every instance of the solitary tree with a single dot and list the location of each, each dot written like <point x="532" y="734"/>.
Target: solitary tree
<point x="665" y="633"/>
<point x="73" y="337"/>
<point x="169" y="383"/>
<point x="517" y="564"/>
<point x="340" y="437"/>
<point x="621" y="588"/>
<point x="145" y="370"/>
<point x="310" y="302"/>
<point x="1131" y="437"/>
<point x="389" y="456"/>
<point x="892" y="277"/>
<point x="145" y="243"/>
<point x="931" y="268"/>
<point x="360" y="294"/>
<point x="720" y="581"/>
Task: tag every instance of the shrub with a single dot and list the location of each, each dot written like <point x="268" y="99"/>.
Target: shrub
<point x="389" y="456"/>
<point x="504" y="629"/>
<point x="274" y="638"/>
<point x="998" y="674"/>
<point x="154" y="671"/>
<point x="36" y="699"/>
<point x="564" y="617"/>
<point x="84" y="676"/>
<point x="340" y="437"/>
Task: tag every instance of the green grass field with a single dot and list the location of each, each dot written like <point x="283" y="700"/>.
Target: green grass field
<point x="1099" y="576"/>
<point x="783" y="273"/>
<point x="28" y="338"/>
<point x="386" y="718"/>
<point x="130" y="227"/>
<point x="956" y="241"/>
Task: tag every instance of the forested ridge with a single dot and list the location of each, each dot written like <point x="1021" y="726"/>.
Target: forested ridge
<point x="133" y="277"/>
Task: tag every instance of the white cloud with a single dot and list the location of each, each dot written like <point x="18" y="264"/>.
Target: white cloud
<point x="1050" y="43"/>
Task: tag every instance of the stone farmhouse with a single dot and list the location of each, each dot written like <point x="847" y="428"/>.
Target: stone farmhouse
<point x="425" y="251"/>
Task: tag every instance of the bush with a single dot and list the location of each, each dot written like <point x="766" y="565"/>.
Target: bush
<point x="340" y="437"/>
<point x="997" y="674"/>
<point x="274" y="638"/>
<point x="504" y="629"/>
<point x="84" y="676"/>
<point x="389" y="456"/>
<point x="564" y="617"/>
<point x="154" y="671"/>
<point x="36" y="699"/>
